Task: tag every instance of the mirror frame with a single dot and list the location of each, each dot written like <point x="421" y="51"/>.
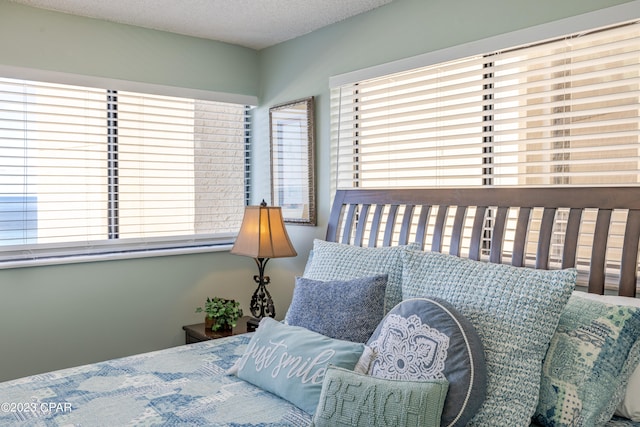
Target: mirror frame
<point x="299" y="146"/>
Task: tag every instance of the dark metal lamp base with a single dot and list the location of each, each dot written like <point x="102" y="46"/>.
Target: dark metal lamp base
<point x="252" y="324"/>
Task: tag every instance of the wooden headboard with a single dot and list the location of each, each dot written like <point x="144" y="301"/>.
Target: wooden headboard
<point x="595" y="229"/>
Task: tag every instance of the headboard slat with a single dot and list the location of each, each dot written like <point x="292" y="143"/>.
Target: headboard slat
<point x="629" y="262"/>
<point x="497" y="237"/>
<point x="599" y="252"/>
<point x="520" y="238"/>
<point x="405" y="229"/>
<point x="477" y="233"/>
<point x="390" y="225"/>
<point x="571" y="238"/>
<point x="421" y="228"/>
<point x="544" y="239"/>
<point x="349" y="220"/>
<point x="364" y="212"/>
<point x="438" y="230"/>
<point x="375" y="225"/>
<point x="456" y="232"/>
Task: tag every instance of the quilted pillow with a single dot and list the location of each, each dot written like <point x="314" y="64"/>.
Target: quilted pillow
<point x="591" y="357"/>
<point x="335" y="261"/>
<point x="356" y="400"/>
<point x="427" y="339"/>
<point x="629" y="407"/>
<point x="347" y="310"/>
<point x="515" y="311"/>
<point x="290" y="361"/>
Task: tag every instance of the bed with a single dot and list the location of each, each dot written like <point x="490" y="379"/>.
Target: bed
<point x="519" y="277"/>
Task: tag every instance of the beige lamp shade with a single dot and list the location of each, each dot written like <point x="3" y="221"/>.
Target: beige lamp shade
<point x="263" y="234"/>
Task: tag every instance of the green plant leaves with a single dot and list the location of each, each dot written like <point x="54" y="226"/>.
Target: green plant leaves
<point x="224" y="311"/>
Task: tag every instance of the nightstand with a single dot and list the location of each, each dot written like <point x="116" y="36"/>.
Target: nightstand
<point x="197" y="332"/>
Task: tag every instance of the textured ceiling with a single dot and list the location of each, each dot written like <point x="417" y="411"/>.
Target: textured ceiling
<point x="252" y="23"/>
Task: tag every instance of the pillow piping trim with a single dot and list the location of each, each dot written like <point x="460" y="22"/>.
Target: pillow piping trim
<point x="469" y="352"/>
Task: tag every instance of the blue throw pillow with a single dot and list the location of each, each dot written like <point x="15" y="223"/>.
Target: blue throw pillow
<point x="428" y="339"/>
<point x="351" y="399"/>
<point x="290" y="361"/>
<point x="335" y="261"/>
<point x="515" y="311"/>
<point x="347" y="310"/>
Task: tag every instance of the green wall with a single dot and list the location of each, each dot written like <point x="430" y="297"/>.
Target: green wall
<point x="54" y="41"/>
<point x="58" y="316"/>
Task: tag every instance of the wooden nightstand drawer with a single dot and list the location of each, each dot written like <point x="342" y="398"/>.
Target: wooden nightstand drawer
<point x="197" y="332"/>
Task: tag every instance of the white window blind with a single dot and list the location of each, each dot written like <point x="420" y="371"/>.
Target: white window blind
<point x="561" y="112"/>
<point x="87" y="171"/>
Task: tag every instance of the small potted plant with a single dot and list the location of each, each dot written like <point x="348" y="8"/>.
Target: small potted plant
<point x="220" y="314"/>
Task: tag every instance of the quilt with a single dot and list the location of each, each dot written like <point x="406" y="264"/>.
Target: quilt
<point x="179" y="386"/>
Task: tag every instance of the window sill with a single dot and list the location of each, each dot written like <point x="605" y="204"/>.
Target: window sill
<point x="76" y="259"/>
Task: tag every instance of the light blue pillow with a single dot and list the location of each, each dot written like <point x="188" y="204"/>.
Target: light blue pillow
<point x="291" y="361"/>
<point x="425" y="339"/>
<point x="335" y="261"/>
<point x="591" y="357"/>
<point x="356" y="400"/>
<point x="515" y="311"/>
<point x="343" y="309"/>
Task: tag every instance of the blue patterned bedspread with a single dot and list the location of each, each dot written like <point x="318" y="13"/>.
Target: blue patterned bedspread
<point x="180" y="386"/>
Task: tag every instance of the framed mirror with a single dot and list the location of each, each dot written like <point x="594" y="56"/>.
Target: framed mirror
<point x="291" y="127"/>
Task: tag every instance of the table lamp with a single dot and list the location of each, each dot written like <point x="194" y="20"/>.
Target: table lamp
<point x="262" y="236"/>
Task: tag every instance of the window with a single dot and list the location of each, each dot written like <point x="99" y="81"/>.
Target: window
<point x="88" y="171"/>
<point x="560" y="112"/>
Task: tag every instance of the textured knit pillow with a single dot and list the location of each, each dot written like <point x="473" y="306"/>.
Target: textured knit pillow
<point x="335" y="261"/>
<point x="425" y="339"/>
<point x="346" y="310"/>
<point x="515" y="311"/>
<point x="591" y="357"/>
<point x="350" y="399"/>
<point x="291" y="361"/>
